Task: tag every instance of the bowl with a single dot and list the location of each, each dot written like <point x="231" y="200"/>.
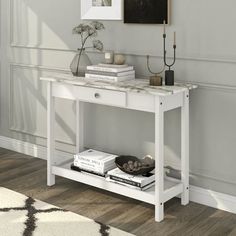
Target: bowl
<point x="135" y="166"/>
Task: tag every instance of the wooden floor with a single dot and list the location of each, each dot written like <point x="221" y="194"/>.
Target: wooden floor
<point x="28" y="176"/>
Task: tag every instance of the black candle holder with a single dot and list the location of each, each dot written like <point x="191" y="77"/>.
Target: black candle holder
<point x="169" y="74"/>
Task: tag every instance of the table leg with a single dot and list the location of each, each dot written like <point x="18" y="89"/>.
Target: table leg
<point x="185" y="149"/>
<point x="79" y="126"/>
<point x="159" y="159"/>
<point x="50" y="135"/>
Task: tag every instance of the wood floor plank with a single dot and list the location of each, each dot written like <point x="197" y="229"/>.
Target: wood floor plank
<point x="27" y="175"/>
<point x="227" y="225"/>
<point x="233" y="232"/>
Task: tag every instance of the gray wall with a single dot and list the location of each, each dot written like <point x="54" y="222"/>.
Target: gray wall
<point x="36" y="40"/>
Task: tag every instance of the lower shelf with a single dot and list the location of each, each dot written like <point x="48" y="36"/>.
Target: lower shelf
<point x="172" y="187"/>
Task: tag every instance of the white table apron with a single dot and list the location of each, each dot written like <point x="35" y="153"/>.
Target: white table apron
<point x="136" y="95"/>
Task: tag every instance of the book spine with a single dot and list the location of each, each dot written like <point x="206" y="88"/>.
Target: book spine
<point x="119" y="74"/>
<point x="106" y="162"/>
<point x="87" y="171"/>
<point x="108" y="69"/>
<point x="123" y="184"/>
<point x="95" y="162"/>
<point x="126" y="181"/>
<point x="93" y="76"/>
<point x="112" y="78"/>
<point x="131" y="186"/>
<point x="89" y="166"/>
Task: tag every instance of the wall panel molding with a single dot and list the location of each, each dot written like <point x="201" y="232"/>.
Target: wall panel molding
<point x="47" y="68"/>
<point x="31" y="67"/>
<point x="199" y="58"/>
<point x="10" y="22"/>
<point x="31" y="149"/>
<point x="14" y="45"/>
<point x="210" y="86"/>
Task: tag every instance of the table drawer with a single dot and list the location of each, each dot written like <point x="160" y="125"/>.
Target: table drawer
<point x="101" y="96"/>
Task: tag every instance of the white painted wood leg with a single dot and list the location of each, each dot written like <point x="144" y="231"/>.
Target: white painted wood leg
<point x="159" y="159"/>
<point x="79" y="126"/>
<point x="185" y="148"/>
<point x="50" y="135"/>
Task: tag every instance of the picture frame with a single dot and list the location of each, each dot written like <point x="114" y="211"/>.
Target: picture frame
<point x="101" y="9"/>
<point x="147" y="11"/>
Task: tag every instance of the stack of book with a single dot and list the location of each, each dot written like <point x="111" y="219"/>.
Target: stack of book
<point x="94" y="162"/>
<point x="115" y="73"/>
<point x="140" y="182"/>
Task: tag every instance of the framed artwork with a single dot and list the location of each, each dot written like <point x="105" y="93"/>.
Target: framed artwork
<point x="101" y="9"/>
<point x="146" y="11"/>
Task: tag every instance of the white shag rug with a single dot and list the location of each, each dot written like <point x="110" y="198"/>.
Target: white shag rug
<point x="24" y="216"/>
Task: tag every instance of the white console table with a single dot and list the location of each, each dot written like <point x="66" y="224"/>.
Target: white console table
<point x="134" y="95"/>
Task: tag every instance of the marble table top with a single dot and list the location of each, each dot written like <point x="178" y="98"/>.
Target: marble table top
<point x="135" y="85"/>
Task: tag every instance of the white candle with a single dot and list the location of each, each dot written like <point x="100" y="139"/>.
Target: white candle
<point x="109" y="57"/>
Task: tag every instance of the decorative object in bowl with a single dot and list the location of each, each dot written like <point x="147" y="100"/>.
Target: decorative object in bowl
<point x="135" y="166"/>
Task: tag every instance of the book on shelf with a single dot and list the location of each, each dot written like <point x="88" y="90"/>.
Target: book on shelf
<point x="110" y="78"/>
<point x="73" y="167"/>
<point x="96" y="157"/>
<point x="93" y="167"/>
<point x="132" y="186"/>
<point x="139" y="181"/>
<point x="94" y="160"/>
<point x="110" y="68"/>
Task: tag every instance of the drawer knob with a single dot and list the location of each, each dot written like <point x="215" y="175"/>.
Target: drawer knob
<point x="97" y="95"/>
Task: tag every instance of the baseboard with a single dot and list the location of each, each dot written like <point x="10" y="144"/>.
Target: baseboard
<point x="213" y="199"/>
<point x="31" y="149"/>
<point x="199" y="195"/>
